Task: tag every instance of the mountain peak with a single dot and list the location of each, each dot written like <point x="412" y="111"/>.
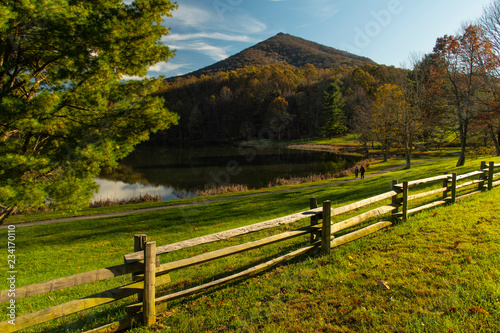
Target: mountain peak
<point x="290" y="50"/>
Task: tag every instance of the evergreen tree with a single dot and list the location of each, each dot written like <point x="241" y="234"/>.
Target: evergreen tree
<point x="65" y="110"/>
<point x="333" y="110"/>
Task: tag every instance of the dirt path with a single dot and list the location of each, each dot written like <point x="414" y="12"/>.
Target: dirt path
<point x="146" y="210"/>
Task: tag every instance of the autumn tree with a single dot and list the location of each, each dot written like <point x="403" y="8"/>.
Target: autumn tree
<point x="424" y="91"/>
<point x="387" y="118"/>
<point x="333" y="104"/>
<point x="279" y="118"/>
<point x="418" y="117"/>
<point x="464" y="61"/>
<point x="360" y="88"/>
<point x="65" y="110"/>
<point x="490" y="22"/>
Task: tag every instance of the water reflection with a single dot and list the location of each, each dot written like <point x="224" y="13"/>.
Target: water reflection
<point x="176" y="173"/>
<point x="118" y="190"/>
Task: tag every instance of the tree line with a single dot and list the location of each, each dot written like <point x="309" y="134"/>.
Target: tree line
<point x="288" y="101"/>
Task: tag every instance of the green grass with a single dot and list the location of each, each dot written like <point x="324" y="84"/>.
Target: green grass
<point x="306" y="295"/>
<point x="349" y="139"/>
<point x="442" y="268"/>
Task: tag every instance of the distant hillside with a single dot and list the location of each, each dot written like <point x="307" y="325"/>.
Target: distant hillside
<point x="273" y="90"/>
<point x="288" y="50"/>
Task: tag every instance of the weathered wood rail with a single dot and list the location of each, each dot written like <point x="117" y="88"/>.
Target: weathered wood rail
<point x="147" y="273"/>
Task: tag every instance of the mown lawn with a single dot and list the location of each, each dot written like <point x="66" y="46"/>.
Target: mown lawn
<point x="442" y="266"/>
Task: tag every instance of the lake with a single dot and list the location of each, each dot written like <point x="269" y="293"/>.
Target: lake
<point x="176" y="173"/>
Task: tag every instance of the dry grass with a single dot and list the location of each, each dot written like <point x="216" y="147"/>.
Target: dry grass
<point x="222" y="189"/>
<point x="234" y="188"/>
<point x="29" y="210"/>
<point x="319" y="177"/>
<point x="109" y="202"/>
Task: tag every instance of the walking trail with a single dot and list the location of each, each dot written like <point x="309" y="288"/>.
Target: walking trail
<point x="146" y="210"/>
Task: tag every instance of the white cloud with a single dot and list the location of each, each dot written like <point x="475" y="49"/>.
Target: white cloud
<point x="244" y="23"/>
<point x="206" y="19"/>
<point x="215" y="52"/>
<point x="165" y="67"/>
<point x="191" y="17"/>
<point x="215" y="35"/>
<point x="127" y="77"/>
<point x="161" y="68"/>
<point x="204" y="29"/>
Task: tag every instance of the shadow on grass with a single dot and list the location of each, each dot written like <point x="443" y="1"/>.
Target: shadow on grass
<point x="109" y="313"/>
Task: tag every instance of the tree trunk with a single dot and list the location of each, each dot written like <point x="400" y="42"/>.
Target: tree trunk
<point x="463" y="143"/>
<point x="408" y="148"/>
<point x="461" y="159"/>
<point x="495" y="138"/>
<point x="463" y="125"/>
<point x="365" y="147"/>
<point x="498" y="138"/>
<point x="5" y="213"/>
<point x="408" y="143"/>
<point x="385" y="150"/>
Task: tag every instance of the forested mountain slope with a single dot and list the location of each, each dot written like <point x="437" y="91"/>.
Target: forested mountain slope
<point x="287" y="50"/>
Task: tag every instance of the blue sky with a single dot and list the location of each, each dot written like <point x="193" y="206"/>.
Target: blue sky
<point x="387" y="31"/>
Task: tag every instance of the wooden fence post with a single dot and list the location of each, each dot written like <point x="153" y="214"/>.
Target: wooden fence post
<point x="140" y="241"/>
<point x="405" y="201"/>
<point x="148" y="306"/>
<point x="481" y="187"/>
<point x="491" y="172"/>
<point x="445" y="184"/>
<point x="454" y="188"/>
<point x="394" y="199"/>
<point x="313" y="203"/>
<point x="326" y="229"/>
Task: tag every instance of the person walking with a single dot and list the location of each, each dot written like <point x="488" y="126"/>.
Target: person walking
<point x="362" y="171"/>
<point x="356" y="171"/>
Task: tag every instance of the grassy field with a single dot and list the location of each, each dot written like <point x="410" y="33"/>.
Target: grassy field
<point x="442" y="267"/>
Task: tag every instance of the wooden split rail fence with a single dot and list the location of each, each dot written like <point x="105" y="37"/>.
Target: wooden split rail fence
<point x="148" y="273"/>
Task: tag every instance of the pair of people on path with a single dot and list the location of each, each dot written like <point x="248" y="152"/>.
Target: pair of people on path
<point x="361" y="170"/>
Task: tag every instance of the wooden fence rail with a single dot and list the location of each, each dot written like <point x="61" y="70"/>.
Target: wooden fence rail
<point x="148" y="274"/>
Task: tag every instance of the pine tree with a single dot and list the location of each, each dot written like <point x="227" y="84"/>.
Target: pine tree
<point x="333" y="112"/>
<point x="65" y="109"/>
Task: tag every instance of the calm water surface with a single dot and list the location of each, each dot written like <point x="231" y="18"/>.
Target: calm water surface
<point x="176" y="173"/>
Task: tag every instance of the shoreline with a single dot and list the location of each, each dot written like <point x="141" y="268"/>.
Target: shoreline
<point x="190" y="204"/>
<point x="238" y="189"/>
<point x="334" y="149"/>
